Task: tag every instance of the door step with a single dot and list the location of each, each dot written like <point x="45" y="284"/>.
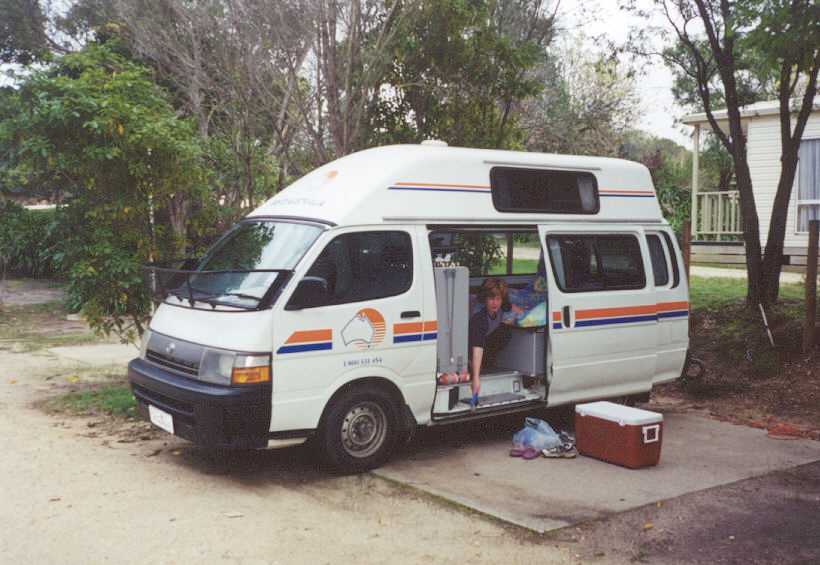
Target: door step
<point x="492" y="400"/>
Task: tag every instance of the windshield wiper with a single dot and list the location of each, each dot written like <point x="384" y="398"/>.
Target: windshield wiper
<point x="240" y="295"/>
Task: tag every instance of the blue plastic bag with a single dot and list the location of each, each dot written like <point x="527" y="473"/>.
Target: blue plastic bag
<point x="537" y="434"/>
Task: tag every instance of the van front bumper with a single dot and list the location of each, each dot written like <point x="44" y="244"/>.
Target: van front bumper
<point x="209" y="415"/>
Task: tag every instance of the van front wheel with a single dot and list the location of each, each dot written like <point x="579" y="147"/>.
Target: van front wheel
<point x="359" y="431"/>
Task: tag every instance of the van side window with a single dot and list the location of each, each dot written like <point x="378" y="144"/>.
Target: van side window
<point x="673" y="258"/>
<point x="659" y="269"/>
<point x="366" y="266"/>
<point x="542" y="191"/>
<point x="487" y="253"/>
<point x="585" y="263"/>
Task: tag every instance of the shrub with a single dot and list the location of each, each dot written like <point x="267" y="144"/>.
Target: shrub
<point x="29" y="242"/>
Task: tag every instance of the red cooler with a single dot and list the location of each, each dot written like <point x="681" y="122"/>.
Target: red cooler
<point x="619" y="434"/>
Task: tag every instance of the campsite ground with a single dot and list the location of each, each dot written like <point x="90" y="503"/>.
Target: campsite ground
<point x="81" y="484"/>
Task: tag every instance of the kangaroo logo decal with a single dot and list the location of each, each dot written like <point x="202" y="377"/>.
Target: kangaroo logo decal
<point x="365" y="330"/>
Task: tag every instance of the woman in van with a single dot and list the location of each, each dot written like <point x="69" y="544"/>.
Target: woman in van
<point x="488" y="334"/>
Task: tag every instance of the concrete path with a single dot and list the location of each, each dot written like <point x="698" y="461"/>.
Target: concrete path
<point x="97" y="355"/>
<point x="717" y="272"/>
<point x="544" y="494"/>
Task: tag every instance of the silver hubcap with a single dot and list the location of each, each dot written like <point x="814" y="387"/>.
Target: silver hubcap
<point x="363" y="429"/>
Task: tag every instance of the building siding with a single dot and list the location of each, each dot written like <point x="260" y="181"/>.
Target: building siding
<point x="764" y="164"/>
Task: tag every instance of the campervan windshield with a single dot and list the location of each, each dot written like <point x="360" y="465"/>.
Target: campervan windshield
<point x="238" y="268"/>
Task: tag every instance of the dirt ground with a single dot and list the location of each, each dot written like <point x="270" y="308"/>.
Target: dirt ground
<point x="783" y="396"/>
<point x="80" y="489"/>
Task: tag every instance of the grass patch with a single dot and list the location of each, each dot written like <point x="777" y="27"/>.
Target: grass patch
<point x="40" y="326"/>
<point x="112" y="400"/>
<point x="519" y="267"/>
<point x="715" y="292"/>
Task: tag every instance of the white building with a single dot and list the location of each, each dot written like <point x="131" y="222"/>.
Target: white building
<point x="716" y="221"/>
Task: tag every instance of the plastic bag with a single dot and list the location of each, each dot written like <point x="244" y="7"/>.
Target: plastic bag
<point x="537" y="434"/>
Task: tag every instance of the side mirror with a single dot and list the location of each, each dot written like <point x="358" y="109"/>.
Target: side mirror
<point x="310" y="292"/>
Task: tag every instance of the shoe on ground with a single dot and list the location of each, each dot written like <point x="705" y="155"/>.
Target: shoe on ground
<point x="560" y="452"/>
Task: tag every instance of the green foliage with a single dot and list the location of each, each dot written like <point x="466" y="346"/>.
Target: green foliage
<point x="22" y="32"/>
<point x="99" y="125"/>
<point x="670" y="166"/>
<point x="455" y="66"/>
<point x="29" y="242"/>
<point x="114" y="400"/>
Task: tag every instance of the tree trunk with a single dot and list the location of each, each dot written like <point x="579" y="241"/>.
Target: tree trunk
<point x="751" y="229"/>
<point x="773" y="256"/>
<point x="178" y="210"/>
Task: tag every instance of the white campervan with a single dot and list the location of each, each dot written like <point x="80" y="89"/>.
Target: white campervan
<point x="334" y="310"/>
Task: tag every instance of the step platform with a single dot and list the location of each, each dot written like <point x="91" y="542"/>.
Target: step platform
<point x="499" y="399"/>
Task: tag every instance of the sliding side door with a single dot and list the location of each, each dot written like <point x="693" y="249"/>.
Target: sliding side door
<point x="602" y="312"/>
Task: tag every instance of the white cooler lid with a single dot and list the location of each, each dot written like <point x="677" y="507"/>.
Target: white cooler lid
<point x="624" y="415"/>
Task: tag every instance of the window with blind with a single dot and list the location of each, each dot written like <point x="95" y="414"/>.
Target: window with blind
<point x="808" y="184"/>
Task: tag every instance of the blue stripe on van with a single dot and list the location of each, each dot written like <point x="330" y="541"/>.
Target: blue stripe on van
<point x="610" y="321"/>
<point x="675" y="314"/>
<point x="305" y="347"/>
<point x="429" y="336"/>
<point x="406" y="338"/>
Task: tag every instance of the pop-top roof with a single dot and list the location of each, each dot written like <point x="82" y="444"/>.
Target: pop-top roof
<point x="415" y="183"/>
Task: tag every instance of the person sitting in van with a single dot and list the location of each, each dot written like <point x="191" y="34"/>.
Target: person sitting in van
<point x="488" y="334"/>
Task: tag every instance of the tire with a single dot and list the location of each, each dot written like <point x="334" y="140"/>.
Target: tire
<point x="359" y="431"/>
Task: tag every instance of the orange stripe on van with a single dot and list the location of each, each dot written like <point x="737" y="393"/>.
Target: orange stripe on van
<point x="430" y="326"/>
<point x="556" y="316"/>
<point x="310" y="335"/>
<point x="624" y="311"/>
<point x="667" y="306"/>
<point x="408" y="328"/>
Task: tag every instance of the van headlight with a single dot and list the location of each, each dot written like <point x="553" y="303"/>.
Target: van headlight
<point x="228" y="368"/>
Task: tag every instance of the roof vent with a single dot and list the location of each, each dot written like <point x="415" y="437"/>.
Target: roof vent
<point x="434" y="143"/>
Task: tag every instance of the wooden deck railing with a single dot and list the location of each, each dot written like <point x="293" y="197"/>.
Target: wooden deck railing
<point x="718" y="216"/>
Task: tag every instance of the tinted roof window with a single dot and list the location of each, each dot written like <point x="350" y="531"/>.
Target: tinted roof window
<point x="541" y="191"/>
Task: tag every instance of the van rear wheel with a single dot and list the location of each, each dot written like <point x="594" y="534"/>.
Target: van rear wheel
<point x="359" y="431"/>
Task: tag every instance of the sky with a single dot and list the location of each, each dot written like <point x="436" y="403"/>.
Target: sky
<point x="594" y="18"/>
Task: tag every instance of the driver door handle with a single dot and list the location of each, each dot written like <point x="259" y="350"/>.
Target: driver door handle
<point x="410" y="314"/>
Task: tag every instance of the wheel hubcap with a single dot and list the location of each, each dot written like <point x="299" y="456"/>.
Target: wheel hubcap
<point x="363" y="429"/>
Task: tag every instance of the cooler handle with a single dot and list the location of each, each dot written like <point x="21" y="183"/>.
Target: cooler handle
<point x="651" y="434"/>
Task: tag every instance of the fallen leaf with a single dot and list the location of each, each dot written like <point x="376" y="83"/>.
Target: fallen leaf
<point x="176" y="452"/>
<point x="54" y="499"/>
<point x="73" y="379"/>
<point x="12" y="381"/>
<point x="648" y="526"/>
<point x="155" y="452"/>
<point x="233" y="514"/>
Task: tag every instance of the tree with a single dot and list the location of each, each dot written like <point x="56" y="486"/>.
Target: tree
<point x="23" y="38"/>
<point x="742" y="43"/>
<point x="97" y="124"/>
<point x="460" y="69"/>
<point x="587" y="105"/>
<point x="669" y="164"/>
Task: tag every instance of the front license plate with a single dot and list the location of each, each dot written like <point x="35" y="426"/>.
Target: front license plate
<point x="161" y="419"/>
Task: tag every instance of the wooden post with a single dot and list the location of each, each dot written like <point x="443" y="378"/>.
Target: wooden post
<point x="695" y="180"/>
<point x="811" y="287"/>
<point x="687" y="248"/>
